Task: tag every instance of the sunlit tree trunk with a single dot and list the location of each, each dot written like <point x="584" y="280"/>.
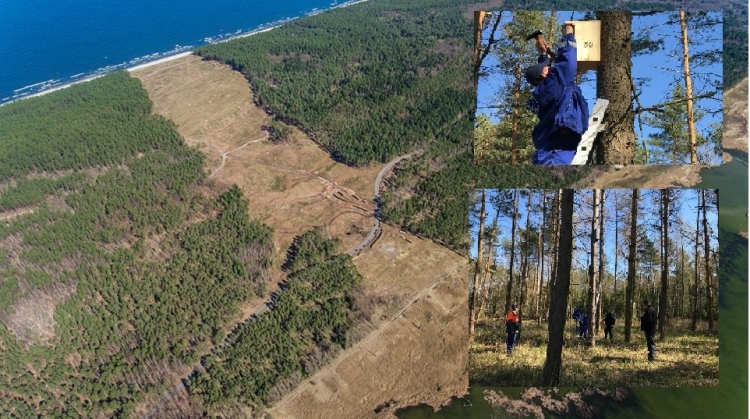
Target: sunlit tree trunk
<point x="613" y="83"/>
<point x="688" y="90"/>
<point x="559" y="304"/>
<point x="663" y="295"/>
<point x="707" y="260"/>
<point x="630" y="287"/>
<point x="541" y="256"/>
<point x="512" y="251"/>
<point x="478" y="265"/>
<point x="593" y="267"/>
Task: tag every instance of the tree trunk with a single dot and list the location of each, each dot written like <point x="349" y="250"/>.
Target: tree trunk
<point x="512" y="250"/>
<point x="613" y="83"/>
<point x="482" y="300"/>
<point x="694" y="324"/>
<point x="525" y="263"/>
<point x="707" y="257"/>
<point x="617" y="232"/>
<point x="688" y="91"/>
<point x="630" y="287"/>
<point x="559" y="304"/>
<point x="663" y="300"/>
<point x="682" y="278"/>
<point x="541" y="256"/>
<point x="516" y="114"/>
<point x="556" y="246"/>
<point x="593" y="268"/>
<point x="599" y="298"/>
<point x="478" y="265"/>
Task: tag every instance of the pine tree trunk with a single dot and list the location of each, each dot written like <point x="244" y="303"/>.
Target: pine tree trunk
<point x="688" y="91"/>
<point x="593" y="268"/>
<point x="617" y="243"/>
<point x="512" y="251"/>
<point x="694" y="324"/>
<point x="478" y="265"/>
<point x="599" y="298"/>
<point x="707" y="260"/>
<point x="682" y="279"/>
<point x="525" y="263"/>
<point x="481" y="301"/>
<point x="613" y="83"/>
<point x="559" y="304"/>
<point x="630" y="287"/>
<point x="556" y="246"/>
<point x="541" y="256"/>
<point x="663" y="295"/>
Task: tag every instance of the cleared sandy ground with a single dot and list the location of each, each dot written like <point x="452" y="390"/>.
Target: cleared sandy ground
<point x="413" y="349"/>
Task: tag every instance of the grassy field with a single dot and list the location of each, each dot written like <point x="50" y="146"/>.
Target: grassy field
<point x="684" y="359"/>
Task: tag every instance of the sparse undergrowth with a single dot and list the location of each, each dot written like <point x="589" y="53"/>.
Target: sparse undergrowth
<point x="684" y="359"/>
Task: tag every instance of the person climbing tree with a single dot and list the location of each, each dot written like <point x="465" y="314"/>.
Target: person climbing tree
<point x="558" y="102"/>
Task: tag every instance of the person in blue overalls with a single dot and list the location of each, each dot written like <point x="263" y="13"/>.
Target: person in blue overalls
<point x="558" y="102"/>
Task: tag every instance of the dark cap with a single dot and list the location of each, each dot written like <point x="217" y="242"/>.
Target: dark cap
<point x="513" y="306"/>
<point x="534" y="73"/>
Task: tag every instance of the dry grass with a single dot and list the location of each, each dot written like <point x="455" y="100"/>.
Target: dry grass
<point x="684" y="359"/>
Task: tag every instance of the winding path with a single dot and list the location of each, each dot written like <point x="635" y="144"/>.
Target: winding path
<point x="375" y="230"/>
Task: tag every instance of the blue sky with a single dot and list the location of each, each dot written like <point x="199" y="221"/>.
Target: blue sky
<point x="659" y="71"/>
<point x="648" y="212"/>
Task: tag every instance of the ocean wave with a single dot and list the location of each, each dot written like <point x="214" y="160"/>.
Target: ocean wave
<point x="42" y="86"/>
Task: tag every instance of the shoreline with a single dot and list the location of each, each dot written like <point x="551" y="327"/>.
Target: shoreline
<point x="178" y="55"/>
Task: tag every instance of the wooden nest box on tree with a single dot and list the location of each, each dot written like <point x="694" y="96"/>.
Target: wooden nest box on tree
<point x="588" y="40"/>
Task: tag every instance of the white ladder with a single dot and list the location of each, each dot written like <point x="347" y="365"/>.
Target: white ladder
<point x="595" y="126"/>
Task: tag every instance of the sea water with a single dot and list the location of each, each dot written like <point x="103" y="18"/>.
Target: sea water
<point x="46" y="44"/>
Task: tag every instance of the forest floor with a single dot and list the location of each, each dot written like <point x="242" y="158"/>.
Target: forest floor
<point x="413" y="290"/>
<point x="684" y="359"/>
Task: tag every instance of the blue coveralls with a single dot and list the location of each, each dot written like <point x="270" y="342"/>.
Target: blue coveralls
<point x="562" y="110"/>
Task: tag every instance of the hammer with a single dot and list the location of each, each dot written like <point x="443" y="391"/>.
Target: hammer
<point x="537" y="34"/>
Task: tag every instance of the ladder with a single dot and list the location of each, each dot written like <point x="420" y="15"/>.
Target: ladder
<point x="587" y="139"/>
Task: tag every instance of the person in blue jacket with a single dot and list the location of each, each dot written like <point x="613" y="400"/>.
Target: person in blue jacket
<point x="558" y="102"/>
<point x="584" y="330"/>
<point x="577" y="319"/>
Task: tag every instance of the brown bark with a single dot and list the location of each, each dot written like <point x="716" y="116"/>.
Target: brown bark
<point x="559" y="303"/>
<point x="613" y="83"/>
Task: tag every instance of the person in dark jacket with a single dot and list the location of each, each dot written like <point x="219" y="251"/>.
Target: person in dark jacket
<point x="584" y="325"/>
<point x="648" y="326"/>
<point x="511" y="327"/>
<point x="577" y="320"/>
<point x="558" y="102"/>
<point x="609" y="321"/>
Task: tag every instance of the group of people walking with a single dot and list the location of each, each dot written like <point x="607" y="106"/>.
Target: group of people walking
<point x="581" y="319"/>
<point x="582" y="326"/>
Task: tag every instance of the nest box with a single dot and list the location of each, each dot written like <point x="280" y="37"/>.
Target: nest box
<point x="588" y="41"/>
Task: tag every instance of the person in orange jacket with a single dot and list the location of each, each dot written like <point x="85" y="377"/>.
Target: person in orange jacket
<point x="511" y="327"/>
